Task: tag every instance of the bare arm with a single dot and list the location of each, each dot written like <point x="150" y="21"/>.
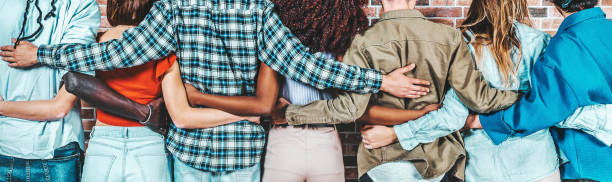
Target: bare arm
<point x="183" y="115"/>
<point x="41" y="110"/>
<point x="380" y="115"/>
<point x="261" y="104"/>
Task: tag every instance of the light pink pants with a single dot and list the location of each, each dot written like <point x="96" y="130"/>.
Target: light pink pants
<point x="303" y="154"/>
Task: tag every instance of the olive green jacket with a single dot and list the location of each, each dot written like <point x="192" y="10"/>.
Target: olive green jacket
<point x="442" y="57"/>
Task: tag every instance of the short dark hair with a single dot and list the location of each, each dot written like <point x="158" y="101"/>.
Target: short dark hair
<point x="127" y="12"/>
<point x="575" y="5"/>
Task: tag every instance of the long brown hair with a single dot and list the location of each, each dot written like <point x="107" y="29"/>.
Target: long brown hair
<point x="492" y="23"/>
<point x="127" y="12"/>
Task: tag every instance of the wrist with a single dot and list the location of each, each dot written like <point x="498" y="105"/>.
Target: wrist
<point x="2" y="106"/>
<point x="383" y="83"/>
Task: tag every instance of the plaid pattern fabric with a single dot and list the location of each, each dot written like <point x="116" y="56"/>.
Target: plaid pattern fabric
<point x="219" y="44"/>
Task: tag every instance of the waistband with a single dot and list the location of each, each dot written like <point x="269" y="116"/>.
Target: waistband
<point x="123" y="132"/>
<point x="304" y="125"/>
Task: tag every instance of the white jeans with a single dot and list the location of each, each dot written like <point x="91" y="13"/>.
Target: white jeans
<point x="297" y="154"/>
<point x="126" y="154"/>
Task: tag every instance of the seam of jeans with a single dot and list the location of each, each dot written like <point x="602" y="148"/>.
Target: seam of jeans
<point x="27" y="170"/>
<point x="10" y="171"/>
<point x="45" y="170"/>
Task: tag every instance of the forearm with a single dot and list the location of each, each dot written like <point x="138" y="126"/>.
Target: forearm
<point x="261" y="104"/>
<point x="42" y="110"/>
<point x="98" y="94"/>
<point x="380" y="115"/>
<point x="346" y="108"/>
<point x="444" y="121"/>
<point x="194" y="118"/>
<point x="239" y="105"/>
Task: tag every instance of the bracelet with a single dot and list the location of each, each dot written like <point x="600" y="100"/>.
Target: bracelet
<point x="149" y="117"/>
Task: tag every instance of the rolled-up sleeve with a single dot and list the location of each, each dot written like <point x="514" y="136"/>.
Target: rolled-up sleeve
<point x="450" y="118"/>
<point x="594" y="120"/>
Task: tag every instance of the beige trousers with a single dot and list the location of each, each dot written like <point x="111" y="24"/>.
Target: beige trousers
<point x="303" y="154"/>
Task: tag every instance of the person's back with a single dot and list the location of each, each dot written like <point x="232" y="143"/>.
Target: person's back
<point x="25" y="140"/>
<point x="415" y="40"/>
<point x="588" y="74"/>
<point x="74" y="23"/>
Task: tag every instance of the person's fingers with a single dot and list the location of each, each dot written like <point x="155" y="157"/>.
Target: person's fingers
<point x="284" y="101"/>
<point x="367" y="146"/>
<point x="418" y="88"/>
<point x="9" y="59"/>
<point x="409" y="68"/>
<point x="7" y="48"/>
<point x="413" y="96"/>
<point x="13" y="40"/>
<point x="7" y="54"/>
<point x="416" y="81"/>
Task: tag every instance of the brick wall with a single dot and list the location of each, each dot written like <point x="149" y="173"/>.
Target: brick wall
<point x="450" y="12"/>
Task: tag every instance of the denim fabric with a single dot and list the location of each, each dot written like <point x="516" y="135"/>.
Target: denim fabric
<point x="185" y="173"/>
<point x="76" y="22"/>
<point x="65" y="166"/>
<point x="126" y="154"/>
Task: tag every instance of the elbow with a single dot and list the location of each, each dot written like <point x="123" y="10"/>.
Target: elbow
<point x="181" y="122"/>
<point x="57" y="114"/>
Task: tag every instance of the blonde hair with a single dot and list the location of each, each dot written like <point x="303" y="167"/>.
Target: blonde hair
<point x="492" y="23"/>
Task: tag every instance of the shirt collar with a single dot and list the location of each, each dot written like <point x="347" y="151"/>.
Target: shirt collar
<point x="581" y="16"/>
<point x="407" y="13"/>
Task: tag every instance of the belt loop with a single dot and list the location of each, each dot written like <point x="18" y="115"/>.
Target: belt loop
<point x="126" y="133"/>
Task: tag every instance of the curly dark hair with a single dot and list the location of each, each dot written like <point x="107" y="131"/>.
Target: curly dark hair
<point x="324" y="25"/>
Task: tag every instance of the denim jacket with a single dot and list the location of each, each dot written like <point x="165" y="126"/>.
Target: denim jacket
<point x="511" y="166"/>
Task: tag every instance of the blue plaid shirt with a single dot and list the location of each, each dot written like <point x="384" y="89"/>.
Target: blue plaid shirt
<point x="219" y="44"/>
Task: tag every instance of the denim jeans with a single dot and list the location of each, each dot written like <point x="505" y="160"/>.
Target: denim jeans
<point x="65" y="166"/>
<point x="185" y="173"/>
<point x="126" y="154"/>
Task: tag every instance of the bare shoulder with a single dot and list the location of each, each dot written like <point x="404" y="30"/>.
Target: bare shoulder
<point x="114" y="33"/>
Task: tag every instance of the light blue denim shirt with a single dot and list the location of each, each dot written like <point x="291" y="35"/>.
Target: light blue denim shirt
<point x="302" y="94"/>
<point x="77" y="21"/>
<point x="517" y="159"/>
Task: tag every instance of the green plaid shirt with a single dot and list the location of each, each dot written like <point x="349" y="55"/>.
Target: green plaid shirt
<point x="219" y="44"/>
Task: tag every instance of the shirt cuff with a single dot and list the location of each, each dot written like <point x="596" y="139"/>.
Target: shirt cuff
<point x="405" y="136"/>
<point x="373" y="80"/>
<point x="291" y="115"/>
<point x="493" y="124"/>
<point x="45" y="55"/>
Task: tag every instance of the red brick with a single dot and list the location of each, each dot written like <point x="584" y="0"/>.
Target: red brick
<point x="606" y="3"/>
<point x="464" y="2"/>
<point x="441" y="11"/>
<point x="551" y="23"/>
<point x="442" y="2"/>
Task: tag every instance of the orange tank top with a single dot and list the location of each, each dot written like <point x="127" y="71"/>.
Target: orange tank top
<point x="142" y="84"/>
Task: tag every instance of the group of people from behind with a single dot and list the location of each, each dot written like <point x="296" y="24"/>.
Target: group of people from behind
<point x="182" y="88"/>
